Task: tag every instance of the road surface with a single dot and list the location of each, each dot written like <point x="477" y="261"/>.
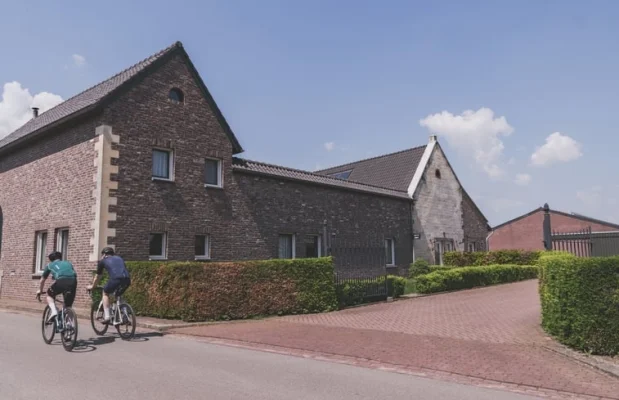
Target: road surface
<point x="163" y="368"/>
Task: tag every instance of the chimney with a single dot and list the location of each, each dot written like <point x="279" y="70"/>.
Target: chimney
<point x="433" y="138"/>
<point x="35" y="112"/>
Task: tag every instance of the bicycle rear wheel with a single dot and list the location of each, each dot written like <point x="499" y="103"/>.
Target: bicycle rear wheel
<point x="96" y="316"/>
<point x="126" y="329"/>
<point x="69" y="332"/>
<point x="48" y="329"/>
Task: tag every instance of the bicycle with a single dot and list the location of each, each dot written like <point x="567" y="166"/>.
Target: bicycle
<point x="121" y="314"/>
<point x="64" y="323"/>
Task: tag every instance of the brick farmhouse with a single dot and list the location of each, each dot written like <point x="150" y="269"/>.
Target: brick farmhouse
<point x="526" y="231"/>
<point x="145" y="162"/>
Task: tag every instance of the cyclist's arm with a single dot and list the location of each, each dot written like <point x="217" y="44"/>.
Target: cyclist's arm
<point x="44" y="276"/>
<point x="99" y="273"/>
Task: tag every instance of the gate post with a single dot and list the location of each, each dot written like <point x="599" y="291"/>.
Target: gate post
<point x="547" y="229"/>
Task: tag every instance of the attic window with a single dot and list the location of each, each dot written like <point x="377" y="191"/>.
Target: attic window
<point x="437" y="173"/>
<point x="176" y="95"/>
<point x="342" y="175"/>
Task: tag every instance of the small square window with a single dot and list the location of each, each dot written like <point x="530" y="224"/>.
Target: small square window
<point x="157" y="246"/>
<point x="212" y="172"/>
<point x="471" y="247"/>
<point x="286" y="246"/>
<point x="163" y="164"/>
<point x="313" y="246"/>
<point x="41" y="246"/>
<point x="390" y="251"/>
<point x="203" y="247"/>
<point x="62" y="242"/>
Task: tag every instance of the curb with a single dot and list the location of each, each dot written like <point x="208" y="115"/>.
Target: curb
<point x="602" y="366"/>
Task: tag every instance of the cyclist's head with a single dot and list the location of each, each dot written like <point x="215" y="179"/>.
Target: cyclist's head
<point x="108" y="251"/>
<point x="56" y="255"/>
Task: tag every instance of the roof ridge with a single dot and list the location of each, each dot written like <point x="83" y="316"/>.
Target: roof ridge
<point x="152" y="56"/>
<point x="371" y="158"/>
<point x="318" y="175"/>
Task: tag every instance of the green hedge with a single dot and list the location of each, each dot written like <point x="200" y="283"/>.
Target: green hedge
<point x="352" y="292"/>
<point x="196" y="291"/>
<point x="499" y="257"/>
<point x="419" y="267"/>
<point x="470" y="277"/>
<point x="580" y="302"/>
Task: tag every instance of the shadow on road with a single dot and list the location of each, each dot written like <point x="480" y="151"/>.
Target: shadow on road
<point x="144" y="336"/>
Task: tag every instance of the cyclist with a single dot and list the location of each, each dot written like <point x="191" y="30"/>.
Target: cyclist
<point x="118" y="278"/>
<point x="65" y="282"/>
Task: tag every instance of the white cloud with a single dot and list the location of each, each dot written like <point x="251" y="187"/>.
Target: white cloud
<point x="477" y="133"/>
<point x="79" y="60"/>
<point x="558" y="148"/>
<point x="522" y="179"/>
<point x="16" y="104"/>
<point x="499" y="205"/>
<point x="511" y="161"/>
<point x="329" y="146"/>
<point x="590" y="197"/>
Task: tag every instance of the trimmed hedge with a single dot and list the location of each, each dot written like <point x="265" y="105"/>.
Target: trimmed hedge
<point x="498" y="257"/>
<point x="580" y="301"/>
<point x="419" y="267"/>
<point x="195" y="291"/>
<point x="470" y="277"/>
<point x="354" y="292"/>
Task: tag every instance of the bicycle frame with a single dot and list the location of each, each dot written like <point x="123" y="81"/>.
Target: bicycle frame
<point x="115" y="317"/>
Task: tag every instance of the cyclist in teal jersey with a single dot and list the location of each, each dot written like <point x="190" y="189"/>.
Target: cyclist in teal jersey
<point x="65" y="282"/>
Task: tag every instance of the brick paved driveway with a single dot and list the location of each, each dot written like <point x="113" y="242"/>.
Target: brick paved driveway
<point x="490" y="334"/>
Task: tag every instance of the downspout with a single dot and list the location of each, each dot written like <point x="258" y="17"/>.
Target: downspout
<point x="488" y="240"/>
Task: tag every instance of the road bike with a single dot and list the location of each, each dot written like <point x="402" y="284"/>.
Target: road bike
<point x="64" y="323"/>
<point x="121" y="316"/>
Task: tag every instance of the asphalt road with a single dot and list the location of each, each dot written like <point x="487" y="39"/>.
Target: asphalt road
<point x="163" y="368"/>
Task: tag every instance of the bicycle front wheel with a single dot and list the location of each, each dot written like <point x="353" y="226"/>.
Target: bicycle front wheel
<point x="69" y="332"/>
<point x="126" y="328"/>
<point x="48" y="328"/>
<point x="96" y="316"/>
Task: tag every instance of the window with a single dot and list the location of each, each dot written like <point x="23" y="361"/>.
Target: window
<point x="342" y="175"/>
<point x="313" y="246"/>
<point x="203" y="247"/>
<point x="62" y="242"/>
<point x="212" y="174"/>
<point x="390" y="251"/>
<point x="471" y="247"/>
<point x="158" y="244"/>
<point x="286" y="246"/>
<point x="41" y="246"/>
<point x="441" y="246"/>
<point x="176" y="95"/>
<point x="163" y="164"/>
<point x="437" y="173"/>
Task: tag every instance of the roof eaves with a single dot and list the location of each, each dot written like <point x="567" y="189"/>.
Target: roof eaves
<point x="353" y="163"/>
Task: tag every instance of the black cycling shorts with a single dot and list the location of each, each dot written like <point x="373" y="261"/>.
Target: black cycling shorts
<point x="65" y="286"/>
<point x="117" y="286"/>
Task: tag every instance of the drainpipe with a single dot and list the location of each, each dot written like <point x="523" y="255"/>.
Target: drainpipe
<point x="488" y="240"/>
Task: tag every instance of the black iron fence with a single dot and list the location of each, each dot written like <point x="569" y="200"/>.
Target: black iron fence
<point x="578" y="243"/>
<point x="358" y="290"/>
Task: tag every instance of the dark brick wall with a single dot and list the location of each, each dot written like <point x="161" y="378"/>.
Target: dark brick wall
<point x="45" y="186"/>
<point x="246" y="216"/>
<point x="474" y="225"/>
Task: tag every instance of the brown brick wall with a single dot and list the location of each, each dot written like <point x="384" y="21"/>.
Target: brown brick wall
<point x="474" y="225"/>
<point x="46" y="186"/>
<point x="527" y="233"/>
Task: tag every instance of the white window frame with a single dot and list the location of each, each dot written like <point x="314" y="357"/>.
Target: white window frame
<point x="391" y="248"/>
<point x="40" y="249"/>
<point x="207" y="248"/>
<point x="61" y="246"/>
<point x="294" y="245"/>
<point x="220" y="175"/>
<point x="164" y="246"/>
<point x="170" y="165"/>
<point x="471" y="247"/>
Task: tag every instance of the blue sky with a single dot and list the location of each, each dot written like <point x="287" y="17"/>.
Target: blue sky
<point x="315" y="84"/>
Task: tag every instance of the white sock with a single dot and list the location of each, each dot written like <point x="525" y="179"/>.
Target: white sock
<point x="52" y="306"/>
<point x="106" y="313"/>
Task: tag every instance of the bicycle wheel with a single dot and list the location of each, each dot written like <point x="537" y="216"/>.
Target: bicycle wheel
<point x="96" y="316"/>
<point x="126" y="329"/>
<point x="69" y="333"/>
<point x="48" y="328"/>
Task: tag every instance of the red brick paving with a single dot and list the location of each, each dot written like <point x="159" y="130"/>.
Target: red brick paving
<point x="490" y="334"/>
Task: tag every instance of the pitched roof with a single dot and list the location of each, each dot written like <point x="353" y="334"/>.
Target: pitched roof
<point x="94" y="96"/>
<point x="249" y="166"/>
<point x="393" y="171"/>
<point x="571" y="215"/>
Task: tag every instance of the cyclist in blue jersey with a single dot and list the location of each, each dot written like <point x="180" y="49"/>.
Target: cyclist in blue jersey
<point x="119" y="278"/>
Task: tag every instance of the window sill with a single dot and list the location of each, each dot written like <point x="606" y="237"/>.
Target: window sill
<point x="37" y="275"/>
<point x="391" y="266"/>
<point x="202" y="258"/>
<point x="157" y="258"/>
<point x="162" y="180"/>
<point x="206" y="185"/>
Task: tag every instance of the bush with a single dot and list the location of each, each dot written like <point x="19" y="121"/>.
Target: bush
<point x="352" y="292"/>
<point x="433" y="268"/>
<point x="580" y="302"/>
<point x="469" y="277"/>
<point x="419" y="267"/>
<point x="499" y="257"/>
<point x="195" y="291"/>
